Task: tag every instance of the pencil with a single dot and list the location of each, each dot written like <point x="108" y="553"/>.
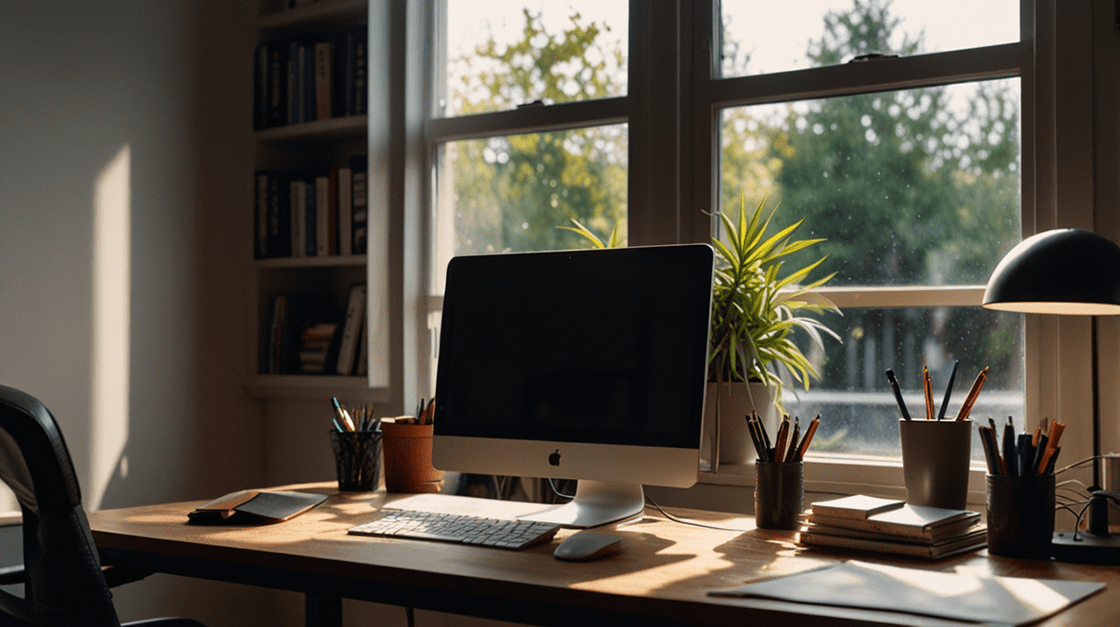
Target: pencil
<point x="948" y="391"/>
<point x="791" y="452"/>
<point x="970" y="400"/>
<point x="780" y="445"/>
<point x="927" y="384"/>
<point x="808" y="437"/>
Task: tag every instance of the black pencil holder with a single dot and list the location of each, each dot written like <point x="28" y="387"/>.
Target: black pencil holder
<point x="779" y="494"/>
<point x="1020" y="515"/>
<point x="357" y="459"/>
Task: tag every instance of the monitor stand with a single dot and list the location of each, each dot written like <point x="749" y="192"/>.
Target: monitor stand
<point x="596" y="503"/>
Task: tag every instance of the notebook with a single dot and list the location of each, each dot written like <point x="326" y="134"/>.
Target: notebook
<point x="255" y="506"/>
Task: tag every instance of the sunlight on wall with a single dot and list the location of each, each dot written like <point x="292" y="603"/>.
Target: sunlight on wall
<point x="112" y="245"/>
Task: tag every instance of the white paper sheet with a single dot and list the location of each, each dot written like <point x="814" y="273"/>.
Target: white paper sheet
<point x="958" y="596"/>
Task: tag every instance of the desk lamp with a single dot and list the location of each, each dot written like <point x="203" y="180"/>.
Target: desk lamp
<point x="1066" y="272"/>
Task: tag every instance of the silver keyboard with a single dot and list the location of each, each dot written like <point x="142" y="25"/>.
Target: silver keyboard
<point x="461" y="528"/>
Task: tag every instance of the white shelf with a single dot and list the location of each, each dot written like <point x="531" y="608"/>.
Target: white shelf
<point x="345" y="127"/>
<point x="312" y="386"/>
<point x="330" y="261"/>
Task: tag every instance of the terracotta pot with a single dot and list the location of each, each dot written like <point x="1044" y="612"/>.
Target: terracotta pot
<point x="735" y="402"/>
<point x="408" y="458"/>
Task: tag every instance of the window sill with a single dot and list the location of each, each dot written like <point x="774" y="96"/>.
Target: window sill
<point x="846" y="475"/>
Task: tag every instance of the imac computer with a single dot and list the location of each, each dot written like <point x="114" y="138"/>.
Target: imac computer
<point x="586" y="365"/>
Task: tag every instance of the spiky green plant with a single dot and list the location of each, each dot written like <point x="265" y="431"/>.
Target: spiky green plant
<point x="755" y="310"/>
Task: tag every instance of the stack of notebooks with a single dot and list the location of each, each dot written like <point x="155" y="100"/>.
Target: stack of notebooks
<point x="869" y="523"/>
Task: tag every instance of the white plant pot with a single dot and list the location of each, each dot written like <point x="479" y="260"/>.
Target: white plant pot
<point x="735" y="402"/>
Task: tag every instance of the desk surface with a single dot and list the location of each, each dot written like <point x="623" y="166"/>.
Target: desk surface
<point x="663" y="577"/>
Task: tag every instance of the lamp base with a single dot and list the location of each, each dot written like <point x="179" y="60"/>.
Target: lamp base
<point x="1087" y="548"/>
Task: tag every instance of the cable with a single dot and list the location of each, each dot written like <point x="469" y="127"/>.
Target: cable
<point x="552" y="485"/>
<point x="686" y="521"/>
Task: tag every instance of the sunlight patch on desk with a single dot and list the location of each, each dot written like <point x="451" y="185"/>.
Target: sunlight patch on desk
<point x="112" y="282"/>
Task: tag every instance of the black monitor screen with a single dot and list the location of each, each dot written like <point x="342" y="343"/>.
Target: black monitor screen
<point x="600" y="346"/>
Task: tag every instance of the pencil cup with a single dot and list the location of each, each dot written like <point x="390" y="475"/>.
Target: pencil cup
<point x="357" y="459"/>
<point x="779" y="494"/>
<point x="408" y="459"/>
<point x="1020" y="515"/>
<point x="935" y="459"/>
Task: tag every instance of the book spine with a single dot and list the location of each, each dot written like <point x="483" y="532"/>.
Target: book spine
<point x="310" y="221"/>
<point x="277" y="86"/>
<point x="332" y="201"/>
<point x="355" y="313"/>
<point x="260" y="216"/>
<point x="345" y="212"/>
<point x="360" y="202"/>
<point x="323" y="80"/>
<point x="322" y="216"/>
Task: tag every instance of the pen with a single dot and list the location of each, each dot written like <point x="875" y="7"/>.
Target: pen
<point x="927" y="385"/>
<point x="897" y="394"/>
<point x="756" y="437"/>
<point x="1009" y="447"/>
<point x="948" y="391"/>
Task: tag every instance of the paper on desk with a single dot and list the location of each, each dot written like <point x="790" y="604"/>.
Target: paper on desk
<point x="958" y="596"/>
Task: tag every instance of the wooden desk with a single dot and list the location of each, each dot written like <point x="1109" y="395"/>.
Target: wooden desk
<point x="663" y="577"/>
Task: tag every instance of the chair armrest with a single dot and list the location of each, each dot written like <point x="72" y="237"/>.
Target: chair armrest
<point x="120" y="575"/>
<point x="11" y="575"/>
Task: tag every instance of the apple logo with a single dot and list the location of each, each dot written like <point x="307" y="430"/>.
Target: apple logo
<point x="554" y="458"/>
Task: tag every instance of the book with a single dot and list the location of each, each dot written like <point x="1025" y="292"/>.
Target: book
<point x="359" y="202"/>
<point x="260" y="216"/>
<point x="952" y="546"/>
<point x="322" y="216"/>
<point x="345" y="212"/>
<point x="909" y="521"/>
<point x="323" y="80"/>
<point x="856" y="506"/>
<point x="937" y="534"/>
<point x="351" y="332"/>
<point x="255" y="506"/>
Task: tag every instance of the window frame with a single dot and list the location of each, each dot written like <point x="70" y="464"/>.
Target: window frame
<point x="673" y="108"/>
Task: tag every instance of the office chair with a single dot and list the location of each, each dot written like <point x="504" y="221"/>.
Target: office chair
<point x="64" y="582"/>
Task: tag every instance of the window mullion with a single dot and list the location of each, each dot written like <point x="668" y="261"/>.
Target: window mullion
<point x="925" y="70"/>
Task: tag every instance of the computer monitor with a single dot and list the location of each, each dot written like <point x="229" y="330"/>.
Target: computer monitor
<point x="587" y="365"/>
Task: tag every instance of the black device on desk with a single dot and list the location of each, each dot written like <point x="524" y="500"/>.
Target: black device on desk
<point x="587" y="365"/>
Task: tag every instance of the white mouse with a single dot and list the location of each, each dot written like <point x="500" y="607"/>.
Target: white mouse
<point x="589" y="545"/>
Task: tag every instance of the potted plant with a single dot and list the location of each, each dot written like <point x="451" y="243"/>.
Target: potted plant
<point x="755" y="310"/>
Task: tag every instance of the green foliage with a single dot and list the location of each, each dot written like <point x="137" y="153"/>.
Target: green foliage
<point x="755" y="309"/>
<point x="510" y="191"/>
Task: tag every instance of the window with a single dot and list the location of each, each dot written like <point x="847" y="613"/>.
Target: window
<point x="530" y="133"/>
<point x="921" y="150"/>
<point x="913" y="188"/>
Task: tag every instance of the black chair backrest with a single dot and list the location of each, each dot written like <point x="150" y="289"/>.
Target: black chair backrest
<point x="64" y="582"/>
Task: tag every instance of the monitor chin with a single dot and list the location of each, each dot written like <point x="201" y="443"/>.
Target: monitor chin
<point x="596" y="503"/>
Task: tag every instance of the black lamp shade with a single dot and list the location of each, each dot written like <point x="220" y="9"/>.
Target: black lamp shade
<point x="1064" y="271"/>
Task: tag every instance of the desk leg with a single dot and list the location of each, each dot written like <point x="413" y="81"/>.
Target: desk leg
<point x="323" y="610"/>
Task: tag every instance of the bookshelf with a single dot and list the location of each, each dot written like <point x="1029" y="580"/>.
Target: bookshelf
<point x="308" y="239"/>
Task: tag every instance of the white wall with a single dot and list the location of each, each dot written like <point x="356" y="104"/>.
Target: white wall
<point x="124" y="252"/>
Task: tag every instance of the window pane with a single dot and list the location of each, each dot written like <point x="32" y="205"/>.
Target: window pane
<point x="514" y="193"/>
<point x="914" y="187"/>
<point x="501" y="54"/>
<point x="859" y="414"/>
<point x="815" y="33"/>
